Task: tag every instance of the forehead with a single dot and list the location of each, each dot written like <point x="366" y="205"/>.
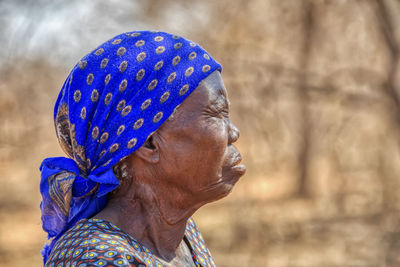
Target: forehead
<point x="213" y="84"/>
<point x="211" y="92"/>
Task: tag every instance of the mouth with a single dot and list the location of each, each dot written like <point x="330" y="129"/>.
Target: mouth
<point x="236" y="164"/>
<point x="233" y="163"/>
<point x="237" y="159"/>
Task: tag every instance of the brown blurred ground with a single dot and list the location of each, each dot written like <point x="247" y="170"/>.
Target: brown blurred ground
<point x="314" y="87"/>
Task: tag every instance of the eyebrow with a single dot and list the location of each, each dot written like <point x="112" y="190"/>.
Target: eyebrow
<point x="221" y="91"/>
<point x="225" y="96"/>
<point x="221" y="102"/>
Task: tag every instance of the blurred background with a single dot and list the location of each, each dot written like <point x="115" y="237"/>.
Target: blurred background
<point x="315" y="91"/>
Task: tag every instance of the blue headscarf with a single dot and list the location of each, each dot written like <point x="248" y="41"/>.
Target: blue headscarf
<point x="111" y="102"/>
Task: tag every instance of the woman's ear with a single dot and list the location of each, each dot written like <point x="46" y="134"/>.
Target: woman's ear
<point x="149" y="151"/>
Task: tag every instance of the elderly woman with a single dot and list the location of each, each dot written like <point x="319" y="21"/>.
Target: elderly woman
<point x="144" y="121"/>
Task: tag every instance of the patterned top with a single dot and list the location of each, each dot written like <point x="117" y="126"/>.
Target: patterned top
<point x="94" y="242"/>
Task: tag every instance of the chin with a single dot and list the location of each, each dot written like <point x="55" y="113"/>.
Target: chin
<point x="227" y="189"/>
<point x="232" y="175"/>
<point x="225" y="186"/>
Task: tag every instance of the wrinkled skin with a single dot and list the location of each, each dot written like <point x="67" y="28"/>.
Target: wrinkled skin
<point x="188" y="162"/>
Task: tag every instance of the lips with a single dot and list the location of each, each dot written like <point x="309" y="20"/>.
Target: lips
<point x="233" y="157"/>
<point x="233" y="162"/>
<point x="236" y="159"/>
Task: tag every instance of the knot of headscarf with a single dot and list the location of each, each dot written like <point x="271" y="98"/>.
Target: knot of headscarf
<point x="111" y="102"/>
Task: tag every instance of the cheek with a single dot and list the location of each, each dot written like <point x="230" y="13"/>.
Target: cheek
<point x="207" y="152"/>
<point x="199" y="154"/>
<point x="216" y="143"/>
<point x="208" y="140"/>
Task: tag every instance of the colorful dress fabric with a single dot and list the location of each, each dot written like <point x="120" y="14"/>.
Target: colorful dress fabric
<point x="94" y="242"/>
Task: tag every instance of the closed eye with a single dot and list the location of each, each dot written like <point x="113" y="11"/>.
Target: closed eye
<point x="216" y="112"/>
<point x="219" y="107"/>
<point x="221" y="113"/>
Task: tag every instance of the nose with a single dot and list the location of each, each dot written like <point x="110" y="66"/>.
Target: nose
<point x="234" y="133"/>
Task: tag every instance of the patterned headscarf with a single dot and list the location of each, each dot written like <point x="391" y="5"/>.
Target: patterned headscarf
<point x="111" y="102"/>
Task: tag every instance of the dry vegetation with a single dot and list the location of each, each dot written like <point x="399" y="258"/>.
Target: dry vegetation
<point x="315" y="90"/>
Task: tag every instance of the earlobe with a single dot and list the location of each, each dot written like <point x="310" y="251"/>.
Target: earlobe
<point x="149" y="151"/>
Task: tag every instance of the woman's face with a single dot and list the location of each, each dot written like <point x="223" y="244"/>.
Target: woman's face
<point x="197" y="156"/>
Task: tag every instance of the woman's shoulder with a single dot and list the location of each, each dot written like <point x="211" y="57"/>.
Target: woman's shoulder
<point x="95" y="242"/>
<point x="197" y="244"/>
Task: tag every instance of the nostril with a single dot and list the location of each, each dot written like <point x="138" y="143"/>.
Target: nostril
<point x="234" y="133"/>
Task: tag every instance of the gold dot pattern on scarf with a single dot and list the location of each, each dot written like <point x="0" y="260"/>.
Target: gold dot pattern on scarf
<point x="121" y="105"/>
<point x="176" y="60"/>
<point x="139" y="43"/>
<point x="177" y="45"/>
<point x="145" y="104"/>
<point x="141" y="56"/>
<point x="206" y="56"/>
<point x="192" y="44"/>
<point x="160" y="50"/>
<point x="184" y="89"/>
<point x="158" y="117"/>
<point x="126" y="110"/>
<point x="206" y="68"/>
<point x="77" y="96"/>
<point x="116" y="41"/>
<point x="103" y="137"/>
<point x="158" y="38"/>
<point x="95" y="132"/>
<point x="108" y="162"/>
<point x="176" y="37"/>
<point x="123" y="85"/>
<point x="152" y="84"/>
<point x="189" y="71"/>
<point x="171" y="77"/>
<point x="140" y="75"/>
<point x="108" y="98"/>
<point x="135" y="34"/>
<point x="107" y="79"/>
<point x="104" y="63"/>
<point x="102" y="153"/>
<point x="192" y="55"/>
<point x="121" y="51"/>
<point x="99" y="51"/>
<point x="94" y="96"/>
<point x="138" y="124"/>
<point x="83" y="113"/>
<point x="114" y="147"/>
<point x="158" y="65"/>
<point x="82" y="64"/>
<point x="123" y="66"/>
<point x="164" y="97"/>
<point x="120" y="129"/>
<point x="132" y="143"/>
<point x="89" y="78"/>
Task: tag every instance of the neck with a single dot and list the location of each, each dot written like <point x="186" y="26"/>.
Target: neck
<point x="155" y="225"/>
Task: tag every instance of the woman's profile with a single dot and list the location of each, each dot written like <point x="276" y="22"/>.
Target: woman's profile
<point x="144" y="122"/>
